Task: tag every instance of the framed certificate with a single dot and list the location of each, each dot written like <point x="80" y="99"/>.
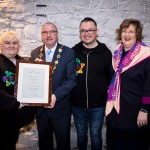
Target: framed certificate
<point x="33" y="82"/>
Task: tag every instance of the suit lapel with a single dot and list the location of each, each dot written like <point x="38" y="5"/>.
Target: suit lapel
<point x="55" y="54"/>
<point x="41" y="53"/>
<point x="44" y="58"/>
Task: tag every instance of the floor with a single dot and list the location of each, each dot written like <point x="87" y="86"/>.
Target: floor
<point x="29" y="140"/>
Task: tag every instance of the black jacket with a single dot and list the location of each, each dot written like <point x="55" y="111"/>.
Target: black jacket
<point x="10" y="115"/>
<point x="94" y="78"/>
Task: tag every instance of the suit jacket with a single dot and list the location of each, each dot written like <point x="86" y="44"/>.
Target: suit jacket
<point x="63" y="80"/>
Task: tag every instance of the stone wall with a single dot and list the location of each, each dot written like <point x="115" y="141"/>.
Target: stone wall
<point x="27" y="16"/>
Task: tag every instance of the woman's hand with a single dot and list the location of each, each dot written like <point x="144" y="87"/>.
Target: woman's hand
<point x="142" y="119"/>
<point x="22" y="105"/>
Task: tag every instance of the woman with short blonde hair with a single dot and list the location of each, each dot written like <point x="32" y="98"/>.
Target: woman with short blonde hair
<point x="13" y="115"/>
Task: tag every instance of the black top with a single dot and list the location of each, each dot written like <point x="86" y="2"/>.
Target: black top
<point x="135" y="84"/>
<point x="10" y="115"/>
<point x="93" y="82"/>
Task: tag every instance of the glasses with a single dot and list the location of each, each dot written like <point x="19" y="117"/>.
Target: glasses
<point x="129" y="32"/>
<point x="90" y="31"/>
<point x="49" y="32"/>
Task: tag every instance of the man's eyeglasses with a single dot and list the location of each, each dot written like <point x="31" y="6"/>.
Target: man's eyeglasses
<point x="90" y="31"/>
<point x="49" y="32"/>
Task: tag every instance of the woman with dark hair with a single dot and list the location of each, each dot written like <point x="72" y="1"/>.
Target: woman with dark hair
<point x="13" y="115"/>
<point x="128" y="101"/>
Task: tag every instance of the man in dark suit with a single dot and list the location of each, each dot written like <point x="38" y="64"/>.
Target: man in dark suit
<point x="56" y="117"/>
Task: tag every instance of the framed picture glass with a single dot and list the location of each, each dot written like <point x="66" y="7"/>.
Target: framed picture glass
<point x="33" y="82"/>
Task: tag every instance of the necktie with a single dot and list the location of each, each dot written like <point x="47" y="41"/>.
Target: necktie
<point x="48" y="57"/>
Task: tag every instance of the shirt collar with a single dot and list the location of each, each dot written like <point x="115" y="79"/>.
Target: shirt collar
<point x="52" y="49"/>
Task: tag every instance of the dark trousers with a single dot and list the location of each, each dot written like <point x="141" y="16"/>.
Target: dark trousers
<point x="60" y="126"/>
<point x="8" y="138"/>
<point x="108" y="137"/>
<point x="129" y="139"/>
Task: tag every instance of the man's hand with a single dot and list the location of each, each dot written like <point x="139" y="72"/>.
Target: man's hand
<point x="142" y="119"/>
<point x="53" y="101"/>
<point x="37" y="59"/>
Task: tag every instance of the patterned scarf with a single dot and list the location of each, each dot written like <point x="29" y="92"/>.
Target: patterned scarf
<point x="114" y="89"/>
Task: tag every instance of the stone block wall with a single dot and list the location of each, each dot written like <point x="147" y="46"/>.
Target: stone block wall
<point x="27" y="16"/>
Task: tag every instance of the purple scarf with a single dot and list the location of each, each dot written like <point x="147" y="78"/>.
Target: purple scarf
<point x="114" y="89"/>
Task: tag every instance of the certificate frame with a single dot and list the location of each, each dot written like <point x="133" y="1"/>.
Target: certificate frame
<point x="33" y="82"/>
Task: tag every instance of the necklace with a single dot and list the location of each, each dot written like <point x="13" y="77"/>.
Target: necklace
<point x="56" y="62"/>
